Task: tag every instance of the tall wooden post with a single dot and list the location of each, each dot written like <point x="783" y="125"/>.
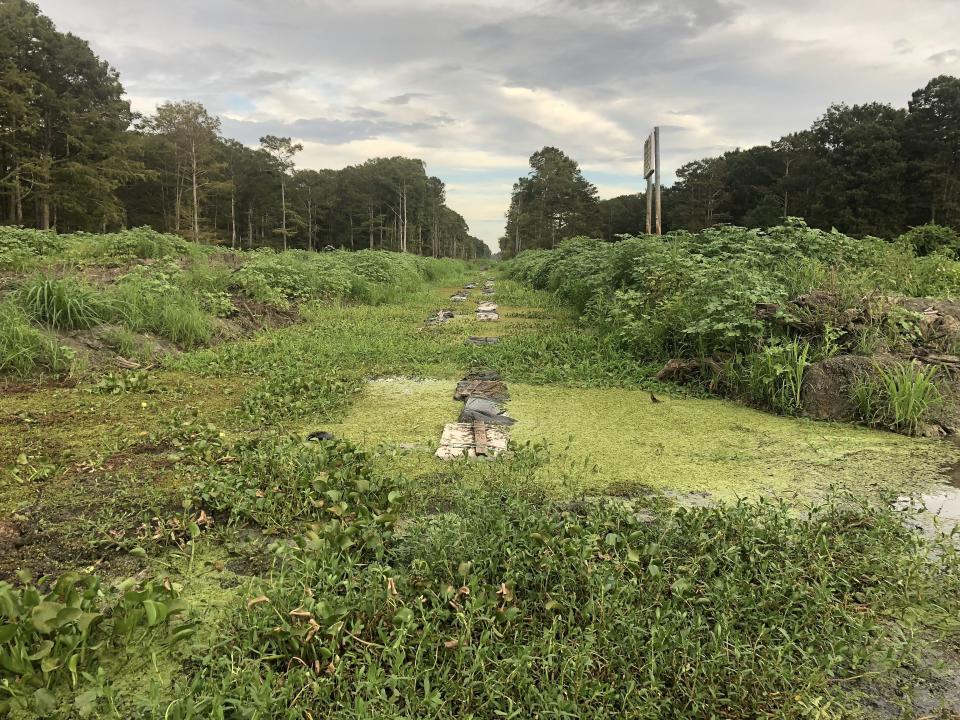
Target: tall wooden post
<point x="649" y="227"/>
<point x="656" y="151"/>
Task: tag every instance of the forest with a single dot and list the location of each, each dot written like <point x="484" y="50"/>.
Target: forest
<point x="869" y="169"/>
<point x="73" y="156"/>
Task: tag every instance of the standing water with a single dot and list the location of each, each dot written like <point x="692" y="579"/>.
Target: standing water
<point x="943" y="504"/>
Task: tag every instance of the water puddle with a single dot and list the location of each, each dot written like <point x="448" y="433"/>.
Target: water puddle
<point x="943" y="504"/>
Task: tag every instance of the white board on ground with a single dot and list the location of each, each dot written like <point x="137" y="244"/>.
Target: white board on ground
<point x="458" y="440"/>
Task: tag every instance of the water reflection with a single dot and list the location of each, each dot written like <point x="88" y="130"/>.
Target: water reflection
<point x="944" y="503"/>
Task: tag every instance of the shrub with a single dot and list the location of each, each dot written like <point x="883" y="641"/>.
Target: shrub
<point x="142" y="242"/>
<point x="20" y="248"/>
<point x="931" y="238"/>
<point x="697" y="294"/>
<point x="278" y="278"/>
<point x="898" y="397"/>
<point x="65" y="304"/>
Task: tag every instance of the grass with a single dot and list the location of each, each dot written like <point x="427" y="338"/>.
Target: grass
<point x="25" y="349"/>
<point x="62" y="304"/>
<point x="898" y="397"/>
<point x="508" y="603"/>
<point x="363" y="578"/>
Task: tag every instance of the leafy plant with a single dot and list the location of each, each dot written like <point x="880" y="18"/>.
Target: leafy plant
<point x="292" y="392"/>
<point x="282" y="483"/>
<point x="123" y="382"/>
<point x="58" y="635"/>
<point x="751" y="606"/>
<point x="218" y="303"/>
<point x="22" y="248"/>
<point x="775" y="375"/>
<point x="931" y="238"/>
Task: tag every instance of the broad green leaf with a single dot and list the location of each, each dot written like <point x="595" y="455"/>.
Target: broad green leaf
<point x="156" y="612"/>
<point x="67" y="615"/>
<point x="7" y="632"/>
<point x="43" y="649"/>
<point x="44" y="616"/>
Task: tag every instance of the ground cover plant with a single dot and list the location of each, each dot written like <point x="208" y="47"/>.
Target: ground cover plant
<point x="747" y="312"/>
<point x="275" y="576"/>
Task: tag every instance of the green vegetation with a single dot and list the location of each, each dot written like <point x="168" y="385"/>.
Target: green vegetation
<point x="74" y="157"/>
<point x="276" y="576"/>
<point x="62" y="304"/>
<point x="892" y="171"/>
<point x="132" y="291"/>
<point x="751" y="311"/>
<point x="897" y="397"/>
<point x="177" y="541"/>
<point x="24" y="349"/>
<point x="61" y="635"/>
<point x="604" y="608"/>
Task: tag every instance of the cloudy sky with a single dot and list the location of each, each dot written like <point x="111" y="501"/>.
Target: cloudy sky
<point x="473" y="88"/>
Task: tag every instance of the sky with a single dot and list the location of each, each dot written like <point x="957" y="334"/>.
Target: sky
<point x="474" y="88"/>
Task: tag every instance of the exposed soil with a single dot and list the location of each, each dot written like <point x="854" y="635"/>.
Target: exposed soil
<point x="930" y="690"/>
<point x="252" y="316"/>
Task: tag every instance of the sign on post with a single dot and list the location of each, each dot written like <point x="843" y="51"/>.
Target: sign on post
<point x="648" y="157"/>
<point x="651" y="173"/>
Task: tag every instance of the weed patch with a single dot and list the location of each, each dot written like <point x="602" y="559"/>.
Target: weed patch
<point x="25" y="349"/>
<point x="61" y="636"/>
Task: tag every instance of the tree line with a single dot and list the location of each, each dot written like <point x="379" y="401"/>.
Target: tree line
<point x="869" y="169"/>
<point x="73" y="156"/>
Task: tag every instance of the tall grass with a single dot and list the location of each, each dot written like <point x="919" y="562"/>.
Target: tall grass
<point x="897" y="397"/>
<point x="174" y="314"/>
<point x="66" y="304"/>
<point x="25" y="349"/>
<point x="176" y="290"/>
<point x="774" y="375"/>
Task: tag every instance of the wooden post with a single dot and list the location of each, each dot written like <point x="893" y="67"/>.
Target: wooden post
<point x="649" y="227"/>
<point x="656" y="151"/>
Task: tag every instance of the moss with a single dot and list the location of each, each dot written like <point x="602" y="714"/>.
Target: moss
<point x="399" y="411"/>
<point x="717" y="447"/>
<point x="615" y="440"/>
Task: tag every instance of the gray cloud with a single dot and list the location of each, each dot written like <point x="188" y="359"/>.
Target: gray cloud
<point x="484" y="83"/>
<point x="945" y="57"/>
<point x="405" y="98"/>
<point x="327" y="130"/>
